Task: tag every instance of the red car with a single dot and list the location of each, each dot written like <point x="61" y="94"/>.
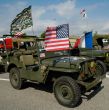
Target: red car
<point x="8" y="43"/>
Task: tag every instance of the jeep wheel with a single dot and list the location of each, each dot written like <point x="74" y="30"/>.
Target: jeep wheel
<point x="102" y="67"/>
<point x="15" y="79"/>
<point x="67" y="91"/>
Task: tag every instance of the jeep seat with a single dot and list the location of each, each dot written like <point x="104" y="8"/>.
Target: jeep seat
<point x="29" y="62"/>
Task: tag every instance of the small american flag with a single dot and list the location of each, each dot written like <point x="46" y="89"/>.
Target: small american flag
<point x="42" y="55"/>
<point x="57" y="38"/>
<point x="18" y="35"/>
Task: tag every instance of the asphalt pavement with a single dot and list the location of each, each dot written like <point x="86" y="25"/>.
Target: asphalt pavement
<point x="39" y="97"/>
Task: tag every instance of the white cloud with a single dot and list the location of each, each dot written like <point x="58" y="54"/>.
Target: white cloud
<point x="97" y="6"/>
<point x="66" y="8"/>
<point x="8" y="13"/>
<point x="106" y="26"/>
<point x="38" y="12"/>
<point x="40" y="26"/>
<point x="65" y="12"/>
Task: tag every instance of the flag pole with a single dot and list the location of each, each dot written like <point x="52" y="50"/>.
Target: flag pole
<point x="69" y="48"/>
<point x="33" y="30"/>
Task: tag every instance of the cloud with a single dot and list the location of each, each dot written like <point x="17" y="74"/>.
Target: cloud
<point x="8" y="13"/>
<point x="105" y="27"/>
<point x="66" y="8"/>
<point x="37" y="12"/>
<point x="97" y="6"/>
<point x="39" y="24"/>
<point x="62" y="10"/>
<point x="52" y="15"/>
<point x="77" y="27"/>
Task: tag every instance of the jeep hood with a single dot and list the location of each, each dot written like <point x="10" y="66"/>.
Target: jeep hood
<point x="64" y="61"/>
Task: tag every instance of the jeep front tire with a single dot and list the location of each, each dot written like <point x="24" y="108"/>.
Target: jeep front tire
<point x="15" y="79"/>
<point x="67" y="91"/>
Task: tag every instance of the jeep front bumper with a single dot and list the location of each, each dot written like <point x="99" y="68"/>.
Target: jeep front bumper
<point x="89" y="85"/>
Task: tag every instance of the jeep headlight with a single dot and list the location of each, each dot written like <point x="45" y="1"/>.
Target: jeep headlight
<point x="107" y="54"/>
<point x="79" y="66"/>
<point x="92" y="64"/>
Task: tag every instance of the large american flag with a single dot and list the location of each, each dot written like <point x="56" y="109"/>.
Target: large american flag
<point x="57" y="38"/>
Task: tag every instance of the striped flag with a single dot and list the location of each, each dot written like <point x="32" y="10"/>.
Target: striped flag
<point x="77" y="43"/>
<point x="83" y="13"/>
<point x="18" y="35"/>
<point x="57" y="38"/>
<point x="86" y="41"/>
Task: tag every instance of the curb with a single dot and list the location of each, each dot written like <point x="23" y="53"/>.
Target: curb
<point x="107" y="75"/>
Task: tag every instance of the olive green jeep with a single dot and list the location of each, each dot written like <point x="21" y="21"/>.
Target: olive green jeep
<point x="100" y="51"/>
<point x="101" y="42"/>
<point x="71" y="76"/>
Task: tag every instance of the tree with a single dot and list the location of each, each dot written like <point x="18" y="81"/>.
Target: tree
<point x="42" y="35"/>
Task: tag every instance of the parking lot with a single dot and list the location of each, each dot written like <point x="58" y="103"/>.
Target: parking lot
<point x="39" y="97"/>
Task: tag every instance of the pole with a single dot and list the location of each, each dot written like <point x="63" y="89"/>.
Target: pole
<point x="69" y="48"/>
<point x="32" y="30"/>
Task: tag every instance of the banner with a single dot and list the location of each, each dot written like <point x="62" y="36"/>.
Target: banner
<point x="22" y="21"/>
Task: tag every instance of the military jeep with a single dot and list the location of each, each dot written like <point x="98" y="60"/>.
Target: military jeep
<point x="102" y="41"/>
<point x="71" y="76"/>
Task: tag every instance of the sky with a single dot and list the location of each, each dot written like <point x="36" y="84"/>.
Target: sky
<point x="56" y="12"/>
